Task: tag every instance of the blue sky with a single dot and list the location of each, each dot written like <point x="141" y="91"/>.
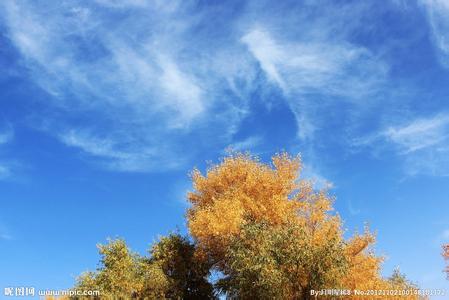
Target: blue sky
<point x="105" y="106"/>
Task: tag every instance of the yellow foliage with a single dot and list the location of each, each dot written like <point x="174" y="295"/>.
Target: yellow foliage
<point x="241" y="190"/>
<point x="446" y="257"/>
<point x="270" y="233"/>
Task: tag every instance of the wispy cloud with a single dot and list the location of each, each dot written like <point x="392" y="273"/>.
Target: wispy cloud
<point x="248" y="144"/>
<point x="123" y="3"/>
<point x="441" y="237"/>
<point x="143" y="71"/>
<point x="5" y="172"/>
<point x="352" y="209"/>
<point x="321" y="66"/>
<point x="316" y="66"/>
<point x="422" y="142"/>
<point x="311" y="173"/>
<point x="129" y="157"/>
<point x="75" y="49"/>
<point x="165" y="74"/>
<point x="445" y="234"/>
<point x="4" y="236"/>
<point x="5" y="233"/>
<point x="438" y="16"/>
<point x="420" y="134"/>
<point x="6" y="135"/>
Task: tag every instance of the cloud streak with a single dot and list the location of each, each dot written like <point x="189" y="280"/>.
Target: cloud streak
<point x="423" y="143"/>
<point x="6" y="136"/>
<point x="420" y="134"/>
<point x="248" y="144"/>
<point x="438" y="16"/>
<point x="322" y="67"/>
<point x="158" y="76"/>
<point x="314" y="66"/>
<point x="127" y="157"/>
<point x="150" y="86"/>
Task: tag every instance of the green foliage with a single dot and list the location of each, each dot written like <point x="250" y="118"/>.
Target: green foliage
<point x="269" y="233"/>
<point x="400" y="281"/>
<point x="267" y="262"/>
<point x="118" y="274"/>
<point x="170" y="272"/>
<point x="155" y="282"/>
<point x="188" y="276"/>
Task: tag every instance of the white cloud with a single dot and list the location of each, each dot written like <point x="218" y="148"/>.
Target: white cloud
<point x="422" y="142"/>
<point x="4" y="236"/>
<point x="163" y="75"/>
<point x="5" y="172"/>
<point x="311" y="173"/>
<point x="445" y="234"/>
<point x="323" y="66"/>
<point x="310" y="66"/>
<point x="123" y="3"/>
<point x="438" y="16"/>
<point x="179" y="191"/>
<point x="351" y="208"/>
<point x="420" y="133"/>
<point x="128" y="157"/>
<point x="248" y="144"/>
<point x="267" y="52"/>
<point x="183" y="92"/>
<point x="143" y="71"/>
<point x="4" y="233"/>
<point x="123" y="72"/>
<point x="6" y="135"/>
<point x="432" y="162"/>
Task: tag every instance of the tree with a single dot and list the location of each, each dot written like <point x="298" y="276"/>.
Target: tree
<point x="399" y="280"/>
<point x="187" y="275"/>
<point x="119" y="274"/>
<point x="446" y="257"/>
<point x="272" y="235"/>
<point x="268" y="232"/>
<point x="171" y="271"/>
<point x="266" y="262"/>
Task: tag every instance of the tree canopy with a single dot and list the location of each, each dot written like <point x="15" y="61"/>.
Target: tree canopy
<point x="267" y="233"/>
<point x="169" y="272"/>
<point x="446" y="257"/>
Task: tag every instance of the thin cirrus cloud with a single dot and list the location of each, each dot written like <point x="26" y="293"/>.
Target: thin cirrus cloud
<point x="143" y="74"/>
<point x="5" y="236"/>
<point x="6" y="135"/>
<point x="420" y="134"/>
<point x="438" y="17"/>
<point x="127" y="157"/>
<point x="5" y="171"/>
<point x="315" y="66"/>
<point x="319" y="182"/>
<point x="118" y="3"/>
<point x="5" y="233"/>
<point x="423" y="143"/>
<point x="248" y="144"/>
<point x="75" y="49"/>
<point x="153" y="76"/>
<point x="319" y="66"/>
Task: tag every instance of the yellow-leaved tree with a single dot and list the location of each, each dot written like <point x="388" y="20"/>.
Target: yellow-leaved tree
<point x="169" y="272"/>
<point x="273" y="236"/>
<point x="258" y="231"/>
<point x="446" y="257"/>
